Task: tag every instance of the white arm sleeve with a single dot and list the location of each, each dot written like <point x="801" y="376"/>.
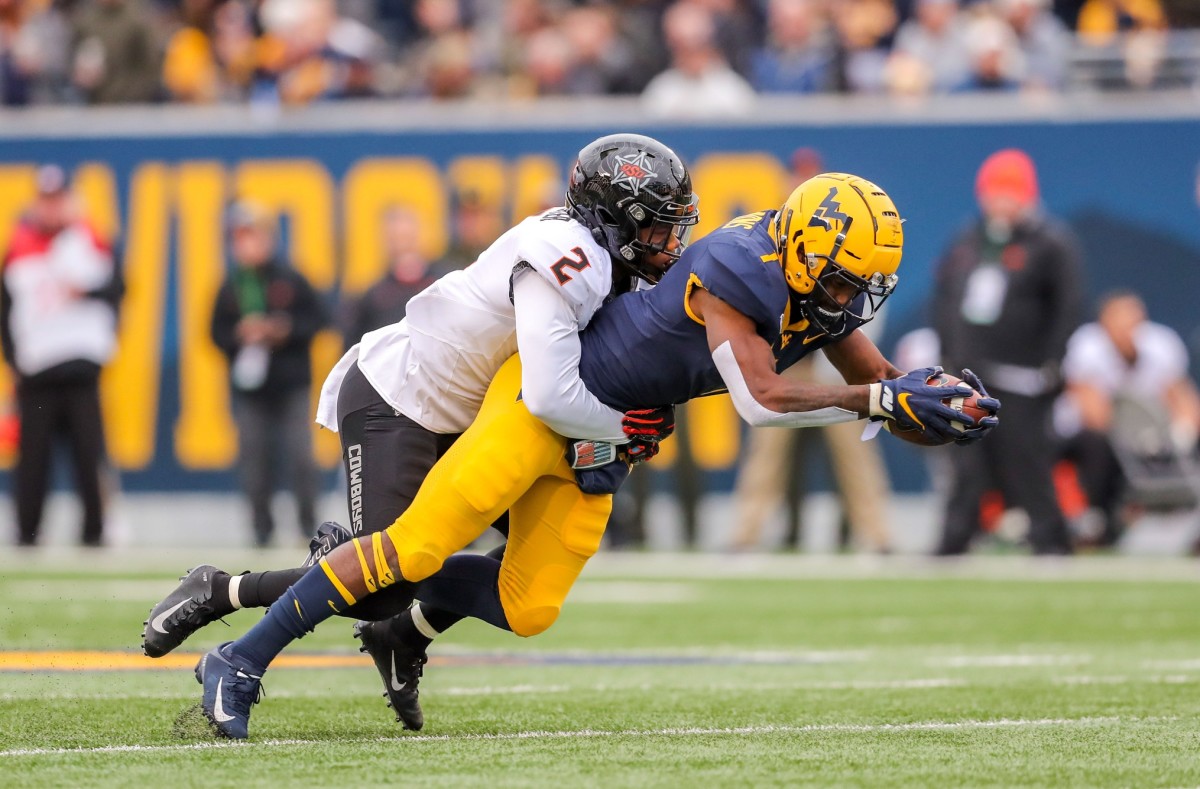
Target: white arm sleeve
<point x="756" y="414"/>
<point x="548" y="341"/>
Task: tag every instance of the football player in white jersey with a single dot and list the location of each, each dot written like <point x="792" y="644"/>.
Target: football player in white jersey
<point x="402" y="395"/>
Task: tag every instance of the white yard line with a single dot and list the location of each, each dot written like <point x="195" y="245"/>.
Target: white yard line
<point x="1178" y="665"/>
<point x="853" y="728"/>
<point x="711" y="654"/>
<point x="1006" y="661"/>
<point x="1117" y="679"/>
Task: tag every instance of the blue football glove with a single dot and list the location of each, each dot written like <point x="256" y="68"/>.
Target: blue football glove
<point x="915" y="405"/>
<point x="986" y="402"/>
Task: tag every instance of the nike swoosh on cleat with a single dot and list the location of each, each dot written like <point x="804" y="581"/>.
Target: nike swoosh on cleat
<point x="218" y="708"/>
<point x="161" y="619"/>
<point x="396" y="683"/>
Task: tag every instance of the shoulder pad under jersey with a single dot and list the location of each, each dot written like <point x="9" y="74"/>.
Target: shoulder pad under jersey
<point x="562" y="251"/>
<point x="742" y="279"/>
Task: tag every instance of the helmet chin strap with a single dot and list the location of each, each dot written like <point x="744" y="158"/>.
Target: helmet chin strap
<point x="624" y="255"/>
<point x="605" y="234"/>
<point x="827" y="323"/>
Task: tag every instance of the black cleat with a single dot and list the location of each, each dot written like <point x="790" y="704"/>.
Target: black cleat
<point x="330" y="535"/>
<point x="181" y="613"/>
<point x="400" y="666"/>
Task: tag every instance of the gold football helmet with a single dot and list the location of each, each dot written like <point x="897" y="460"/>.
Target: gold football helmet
<point x="839" y="242"/>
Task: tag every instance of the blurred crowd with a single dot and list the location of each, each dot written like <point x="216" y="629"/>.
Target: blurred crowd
<point x="684" y="57"/>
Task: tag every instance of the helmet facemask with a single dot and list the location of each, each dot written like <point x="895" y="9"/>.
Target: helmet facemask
<point x="838" y="294"/>
<point x="665" y="231"/>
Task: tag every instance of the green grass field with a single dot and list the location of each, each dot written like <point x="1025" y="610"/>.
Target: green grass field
<point x="663" y="671"/>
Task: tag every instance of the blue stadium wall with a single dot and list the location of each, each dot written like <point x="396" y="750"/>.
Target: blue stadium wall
<point x="1129" y="187"/>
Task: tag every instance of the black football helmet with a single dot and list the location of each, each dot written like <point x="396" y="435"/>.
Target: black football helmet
<point x="635" y="195"/>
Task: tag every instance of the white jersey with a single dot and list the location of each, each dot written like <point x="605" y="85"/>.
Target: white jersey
<point x="50" y="323"/>
<point x="436" y="365"/>
<point x="1092" y="359"/>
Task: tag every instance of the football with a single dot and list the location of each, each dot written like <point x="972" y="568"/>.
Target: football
<point x="968" y="405"/>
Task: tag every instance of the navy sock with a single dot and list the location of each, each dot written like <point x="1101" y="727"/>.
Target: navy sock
<point x="440" y="619"/>
<point x="307" y="603"/>
<point x="466" y="585"/>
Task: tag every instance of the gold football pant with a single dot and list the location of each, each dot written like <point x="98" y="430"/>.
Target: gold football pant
<point x="507" y="460"/>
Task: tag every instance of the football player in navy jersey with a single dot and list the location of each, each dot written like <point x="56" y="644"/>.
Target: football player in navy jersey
<point x="739" y="306"/>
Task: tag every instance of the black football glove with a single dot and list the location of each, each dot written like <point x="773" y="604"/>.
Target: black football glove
<point x="986" y="402"/>
<point x="639" y="450"/>
<point x="649" y="424"/>
<point x="915" y="405"/>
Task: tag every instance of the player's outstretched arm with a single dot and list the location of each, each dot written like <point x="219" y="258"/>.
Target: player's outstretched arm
<point x="859" y="361"/>
<point x="548" y="341"/>
<point x="763" y="397"/>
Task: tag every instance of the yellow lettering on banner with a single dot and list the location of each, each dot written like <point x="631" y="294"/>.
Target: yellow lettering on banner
<point x="301" y="191"/>
<point x="483" y="180"/>
<point x="205" y="435"/>
<point x="371" y="188"/>
<point x="129" y="386"/>
<point x="715" y="433"/>
<point x="96" y="187"/>
<point x="537" y="185"/>
<point x="129" y="445"/>
<point x="17" y="190"/>
<point x="666" y="455"/>
<point x="730" y="184"/>
<point x="326" y="350"/>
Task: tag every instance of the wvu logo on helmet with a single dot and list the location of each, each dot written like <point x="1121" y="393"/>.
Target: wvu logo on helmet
<point x="830" y="209"/>
<point x="840" y="256"/>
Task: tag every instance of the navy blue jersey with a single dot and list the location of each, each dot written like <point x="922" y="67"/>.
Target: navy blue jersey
<point x="646" y="349"/>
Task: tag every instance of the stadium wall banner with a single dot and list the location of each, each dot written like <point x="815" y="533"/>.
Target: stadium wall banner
<point x="1130" y="190"/>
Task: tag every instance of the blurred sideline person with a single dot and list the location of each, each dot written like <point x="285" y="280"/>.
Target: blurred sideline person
<point x="386" y="301"/>
<point x="772" y="456"/>
<point x="1007" y="298"/>
<point x="1121" y="355"/>
<point x="700" y="82"/>
<point x="719" y="320"/>
<point x="58" y="323"/>
<point x="401" y="397"/>
<point x="858" y="471"/>
<point x="264" y="320"/>
<point x="115" y="53"/>
<point x="476" y="224"/>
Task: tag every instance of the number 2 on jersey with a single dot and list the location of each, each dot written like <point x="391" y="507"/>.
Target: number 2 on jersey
<point x="564" y="263"/>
